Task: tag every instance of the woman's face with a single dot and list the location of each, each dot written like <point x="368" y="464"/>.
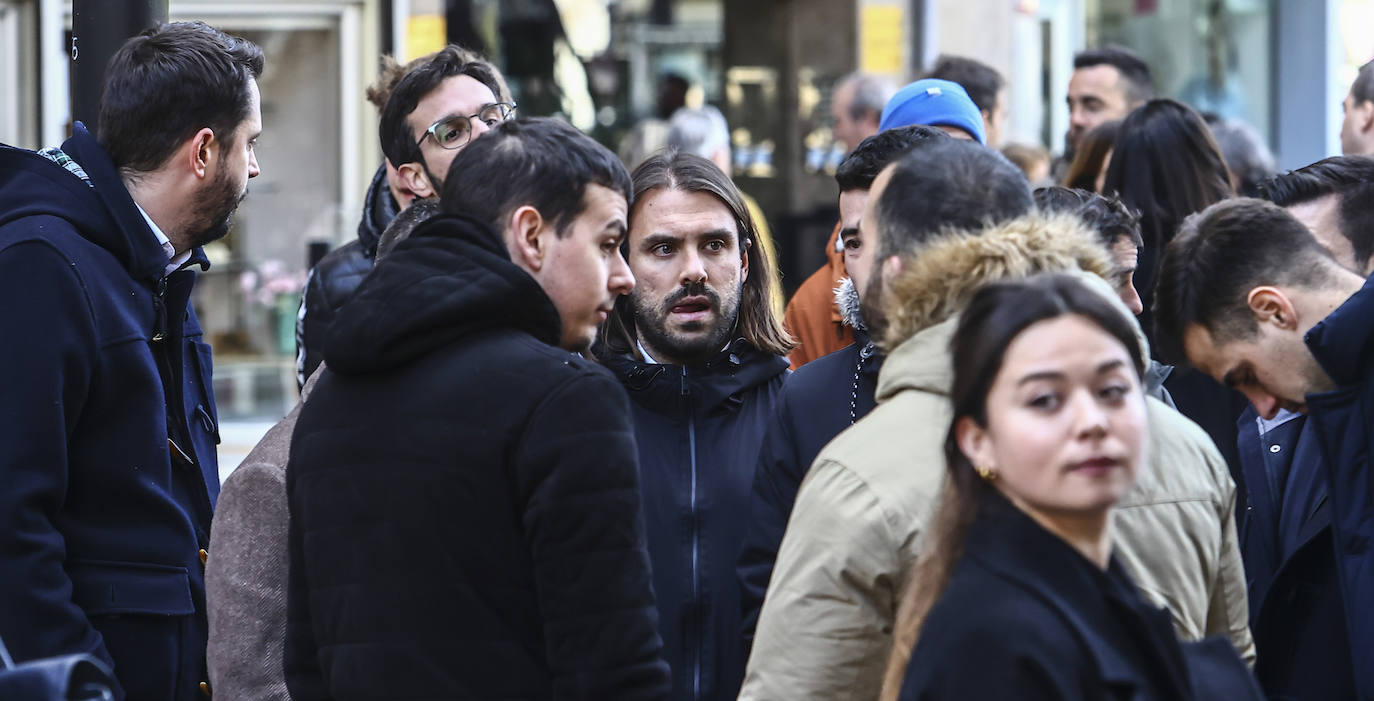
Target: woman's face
<point x="1066" y="423"/>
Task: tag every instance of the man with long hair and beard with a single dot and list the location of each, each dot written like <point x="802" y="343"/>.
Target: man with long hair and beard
<point x="701" y="352"/>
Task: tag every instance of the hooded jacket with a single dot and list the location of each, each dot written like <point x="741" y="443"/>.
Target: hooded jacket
<point x="820" y="399"/>
<point x="825" y="631"/>
<point x="334" y="279"/>
<point x="1343" y="343"/>
<point x="103" y="525"/>
<point x="698" y="429"/>
<point x="464" y="496"/>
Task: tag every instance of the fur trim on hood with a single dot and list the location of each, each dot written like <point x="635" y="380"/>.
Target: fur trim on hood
<point x="937" y="282"/>
<point x="847" y="300"/>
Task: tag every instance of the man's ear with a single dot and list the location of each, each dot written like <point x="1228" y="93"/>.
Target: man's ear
<point x="413" y="178"/>
<point x="744" y="260"/>
<point x="1365" y="116"/>
<point x="1271" y="305"/>
<point x="200" y="152"/>
<point x="892" y="267"/>
<point x="525" y="238"/>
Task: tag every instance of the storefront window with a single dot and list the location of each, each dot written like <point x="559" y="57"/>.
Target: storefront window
<point x="1211" y="54"/>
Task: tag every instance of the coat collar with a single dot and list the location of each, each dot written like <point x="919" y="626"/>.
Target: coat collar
<point x="1009" y="543"/>
<point x="1343" y="342"/>
<point x="721" y="379"/>
<point x="138" y="248"/>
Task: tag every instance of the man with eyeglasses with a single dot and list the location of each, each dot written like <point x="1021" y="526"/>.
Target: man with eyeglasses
<point x="432" y="113"/>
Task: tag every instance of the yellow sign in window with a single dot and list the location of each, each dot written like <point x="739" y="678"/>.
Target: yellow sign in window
<point x="880" y="39"/>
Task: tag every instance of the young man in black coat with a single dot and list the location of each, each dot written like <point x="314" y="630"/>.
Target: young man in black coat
<point x="107" y="413"/>
<point x="463" y="488"/>
<point x="702" y="354"/>
<point x="1264" y="306"/>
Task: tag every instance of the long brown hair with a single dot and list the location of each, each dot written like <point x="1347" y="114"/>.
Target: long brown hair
<point x="1090" y="158"/>
<point x="996" y="315"/>
<point x="758" y="323"/>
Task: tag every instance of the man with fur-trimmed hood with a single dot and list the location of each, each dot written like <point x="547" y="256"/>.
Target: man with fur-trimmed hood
<point x="828" y="394"/>
<point x="826" y="626"/>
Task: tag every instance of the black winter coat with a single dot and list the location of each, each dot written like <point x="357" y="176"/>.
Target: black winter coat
<point x="1296" y="613"/>
<point x="335" y="278"/>
<point x="819" y="400"/>
<point x="1343" y="343"/>
<point x="1025" y="616"/>
<point x="698" y="430"/>
<point x="464" y="497"/>
<point x="101" y="527"/>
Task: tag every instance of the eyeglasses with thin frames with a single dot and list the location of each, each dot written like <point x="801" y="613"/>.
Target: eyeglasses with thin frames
<point x="455" y="131"/>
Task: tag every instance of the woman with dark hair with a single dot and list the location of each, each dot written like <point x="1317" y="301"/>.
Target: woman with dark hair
<point x="1089" y="164"/>
<point x="1166" y="165"/>
<point x="1020" y="595"/>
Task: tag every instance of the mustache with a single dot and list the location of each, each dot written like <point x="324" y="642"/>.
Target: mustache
<point x="696" y="289"/>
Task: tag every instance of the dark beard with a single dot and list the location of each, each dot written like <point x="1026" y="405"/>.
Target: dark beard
<point x="871" y="305"/>
<point x="651" y="325"/>
<point x="218" y="201"/>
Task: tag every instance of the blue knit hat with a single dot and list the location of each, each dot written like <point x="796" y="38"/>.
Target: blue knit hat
<point x="933" y="102"/>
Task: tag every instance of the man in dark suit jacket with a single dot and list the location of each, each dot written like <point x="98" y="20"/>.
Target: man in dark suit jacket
<point x="463" y="489"/>
<point x="107" y="416"/>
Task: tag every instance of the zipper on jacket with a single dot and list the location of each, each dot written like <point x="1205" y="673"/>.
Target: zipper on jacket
<point x="696" y="539"/>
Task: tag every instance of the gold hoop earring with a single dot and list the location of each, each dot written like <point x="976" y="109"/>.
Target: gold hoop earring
<point x="987" y="473"/>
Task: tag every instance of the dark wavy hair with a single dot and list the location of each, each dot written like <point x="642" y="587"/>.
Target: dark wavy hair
<point x="399" y="143"/>
<point x="1091" y="156"/>
<point x="678" y="170"/>
<point x="169" y="82"/>
<point x="994" y="317"/>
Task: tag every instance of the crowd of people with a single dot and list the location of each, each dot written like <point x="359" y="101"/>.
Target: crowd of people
<point x="1092" y="428"/>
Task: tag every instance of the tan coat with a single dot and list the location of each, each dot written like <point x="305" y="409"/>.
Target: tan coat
<point x="825" y="631"/>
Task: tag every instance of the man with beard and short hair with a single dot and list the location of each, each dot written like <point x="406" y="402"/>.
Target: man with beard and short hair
<point x="1106" y="84"/>
<point x="463" y="487"/>
<point x="446" y="85"/>
<point x="107" y="447"/>
<point x="940" y="222"/>
<point x="1263" y="305"/>
<point x="700" y="351"/>
<point x="827" y="395"/>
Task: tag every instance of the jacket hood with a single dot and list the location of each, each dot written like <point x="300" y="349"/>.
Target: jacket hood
<point x="939" y="279"/>
<point x="102" y="211"/>
<point x="451" y="279"/>
<point x="851" y="308"/>
<point x="1343" y="342"/>
<point x="379" y="208"/>
<point x="737" y="368"/>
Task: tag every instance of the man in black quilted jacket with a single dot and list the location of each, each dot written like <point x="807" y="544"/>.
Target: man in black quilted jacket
<point x="438" y="90"/>
<point x="463" y="487"/>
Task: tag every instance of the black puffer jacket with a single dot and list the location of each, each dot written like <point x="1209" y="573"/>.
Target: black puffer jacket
<point x="464" y="497"/>
<point x="699" y="430"/>
<point x="334" y="279"/>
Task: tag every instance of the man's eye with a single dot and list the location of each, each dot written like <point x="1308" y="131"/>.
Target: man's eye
<point x="1113" y="393"/>
<point x="853" y="244"/>
<point x="662" y="249"/>
<point x="714" y="245"/>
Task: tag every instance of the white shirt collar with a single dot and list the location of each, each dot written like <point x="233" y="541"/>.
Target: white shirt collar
<point x="175" y="261"/>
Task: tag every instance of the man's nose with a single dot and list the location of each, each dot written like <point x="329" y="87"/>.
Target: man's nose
<point x="1266" y="405"/>
<point x="693" y="268"/>
<point x="622" y="280"/>
<point x="253" y="169"/>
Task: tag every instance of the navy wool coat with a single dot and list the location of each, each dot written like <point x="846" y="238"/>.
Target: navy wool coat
<point x="101" y="528"/>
